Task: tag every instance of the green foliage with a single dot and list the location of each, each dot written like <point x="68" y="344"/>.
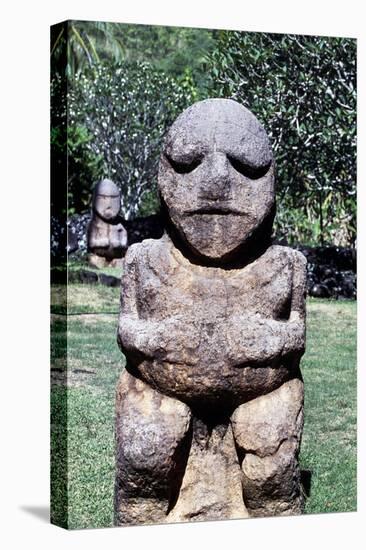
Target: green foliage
<point x="174" y="50"/>
<point x="92" y="47"/>
<point x="177" y="51"/>
<point x="58" y="143"/>
<point x="69" y="145"/>
<point x="303" y="89"/>
<point x="103" y="63"/>
<point x="125" y="109"/>
<point x="85" y="43"/>
<point x="84" y="168"/>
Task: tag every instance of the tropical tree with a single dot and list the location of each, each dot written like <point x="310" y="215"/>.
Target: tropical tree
<point x="178" y="52"/>
<point x="123" y="112"/>
<point x="303" y="89"/>
<point x="83" y="44"/>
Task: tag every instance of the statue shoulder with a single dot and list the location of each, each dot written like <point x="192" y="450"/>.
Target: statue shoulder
<point x="296" y="257"/>
<point x="96" y="222"/>
<point x="153" y="253"/>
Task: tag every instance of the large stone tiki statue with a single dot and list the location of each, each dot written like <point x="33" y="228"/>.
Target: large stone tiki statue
<point x="212" y="324"/>
<point x="107" y="238"/>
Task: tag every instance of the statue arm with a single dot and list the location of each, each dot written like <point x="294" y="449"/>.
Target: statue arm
<point x="118" y="236"/>
<point x="295" y="337"/>
<point x="94" y="238"/>
<point x="168" y="340"/>
<point x="257" y="340"/>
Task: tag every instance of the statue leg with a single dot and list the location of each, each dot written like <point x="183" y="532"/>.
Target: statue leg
<point x="267" y="432"/>
<point x="96" y="261"/>
<point x="115" y="262"/>
<point x="153" y="439"/>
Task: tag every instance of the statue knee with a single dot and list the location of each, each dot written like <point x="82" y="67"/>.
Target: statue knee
<point x="267" y="432"/>
<point x="150" y="429"/>
<point x="271" y="484"/>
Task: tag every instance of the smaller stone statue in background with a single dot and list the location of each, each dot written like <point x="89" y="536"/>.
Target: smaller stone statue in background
<point x="107" y="238"/>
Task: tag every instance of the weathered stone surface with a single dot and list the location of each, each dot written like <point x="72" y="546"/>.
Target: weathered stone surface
<point x="107" y="238"/>
<point x="221" y="323"/>
<point x="216" y="178"/>
<point x="271" y="485"/>
<point x="263" y="424"/>
<point x="100" y="262"/>
<point x="212" y="482"/>
<point x="267" y="432"/>
<point x="212" y="324"/>
<point x="153" y="433"/>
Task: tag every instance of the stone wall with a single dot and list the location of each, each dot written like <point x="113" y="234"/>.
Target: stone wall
<point x="331" y="270"/>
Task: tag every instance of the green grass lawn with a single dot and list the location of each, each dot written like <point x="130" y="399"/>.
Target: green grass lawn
<point x="74" y="264"/>
<point x="329" y="439"/>
<point x="95" y="363"/>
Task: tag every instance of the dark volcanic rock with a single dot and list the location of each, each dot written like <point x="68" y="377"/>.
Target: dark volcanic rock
<point x="109" y="280"/>
<point x="331" y="271"/>
<point x="88" y="277"/>
<point x="73" y="277"/>
<point x="331" y="266"/>
<point x="149" y="227"/>
<point x="58" y="240"/>
<point x="77" y="233"/>
<point x="319" y="291"/>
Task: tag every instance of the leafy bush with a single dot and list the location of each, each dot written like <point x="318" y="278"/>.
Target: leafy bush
<point x="121" y="113"/>
<point x="84" y="168"/>
<point x="303" y="89"/>
<point x="58" y="142"/>
<point x="74" y="167"/>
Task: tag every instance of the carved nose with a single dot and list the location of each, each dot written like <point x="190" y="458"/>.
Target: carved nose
<point x="216" y="184"/>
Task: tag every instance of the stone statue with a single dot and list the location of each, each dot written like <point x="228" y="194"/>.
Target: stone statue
<point x="107" y="238"/>
<point x="209" y="410"/>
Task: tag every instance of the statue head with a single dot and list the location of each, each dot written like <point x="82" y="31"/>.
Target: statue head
<point x="216" y="178"/>
<point x="106" y="200"/>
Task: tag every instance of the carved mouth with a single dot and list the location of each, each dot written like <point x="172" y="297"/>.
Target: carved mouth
<point x="214" y="210"/>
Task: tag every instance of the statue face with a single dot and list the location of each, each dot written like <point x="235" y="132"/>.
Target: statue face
<point x="107" y="206"/>
<point x="107" y="200"/>
<point x="216" y="177"/>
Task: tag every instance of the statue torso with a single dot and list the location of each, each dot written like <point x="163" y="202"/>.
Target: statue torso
<point x="171" y="285"/>
<point x="209" y="301"/>
<point x="107" y="239"/>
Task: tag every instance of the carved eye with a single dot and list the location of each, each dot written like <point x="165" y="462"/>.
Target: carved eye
<point x="184" y="167"/>
<point x="251" y="172"/>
